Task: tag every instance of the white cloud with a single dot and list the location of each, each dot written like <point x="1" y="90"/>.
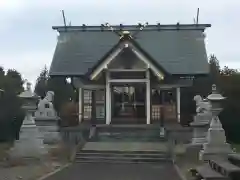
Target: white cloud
<point x="29" y="64"/>
<point x="8" y="5"/>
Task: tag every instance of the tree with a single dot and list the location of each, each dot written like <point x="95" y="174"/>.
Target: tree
<point x="62" y="89"/>
<point x="41" y="83"/>
<point x="202" y="85"/>
<point x="11" y="114"/>
<point x="226" y="71"/>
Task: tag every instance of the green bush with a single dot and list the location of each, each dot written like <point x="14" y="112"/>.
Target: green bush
<point x="10" y="127"/>
<point x="230" y="118"/>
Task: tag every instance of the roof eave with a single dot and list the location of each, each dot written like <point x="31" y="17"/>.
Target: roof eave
<point x="155" y="27"/>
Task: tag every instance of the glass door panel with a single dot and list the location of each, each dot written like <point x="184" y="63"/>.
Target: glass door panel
<point x="129" y="101"/>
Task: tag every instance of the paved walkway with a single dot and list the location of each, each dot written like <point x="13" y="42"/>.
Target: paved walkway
<point x="163" y="171"/>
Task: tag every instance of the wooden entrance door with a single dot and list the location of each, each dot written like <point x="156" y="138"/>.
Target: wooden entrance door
<point x="128" y="104"/>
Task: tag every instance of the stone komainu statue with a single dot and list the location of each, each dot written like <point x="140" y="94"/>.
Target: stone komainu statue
<point x="45" y="107"/>
<point x="203" y="109"/>
<point x="202" y="106"/>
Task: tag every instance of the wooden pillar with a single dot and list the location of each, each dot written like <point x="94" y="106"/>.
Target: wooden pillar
<point x="148" y="98"/>
<point x="93" y="112"/>
<point x="80" y="104"/>
<point x="178" y="104"/>
<point x="108" y="100"/>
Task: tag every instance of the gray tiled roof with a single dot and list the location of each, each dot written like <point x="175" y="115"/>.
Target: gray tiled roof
<point x="177" y="51"/>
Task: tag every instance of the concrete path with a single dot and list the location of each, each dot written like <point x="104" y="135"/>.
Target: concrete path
<point x="163" y="171"/>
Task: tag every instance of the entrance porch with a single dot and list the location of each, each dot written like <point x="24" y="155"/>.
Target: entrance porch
<point x="128" y="88"/>
<point x="129" y="101"/>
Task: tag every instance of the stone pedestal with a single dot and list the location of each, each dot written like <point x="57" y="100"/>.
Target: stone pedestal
<point x="49" y="130"/>
<point x="200" y="128"/>
<point x="30" y="144"/>
<point x="216" y="142"/>
<point x="47" y="120"/>
<point x="199" y="133"/>
<point x="216" y="145"/>
<point x="201" y="121"/>
<point x="162" y="132"/>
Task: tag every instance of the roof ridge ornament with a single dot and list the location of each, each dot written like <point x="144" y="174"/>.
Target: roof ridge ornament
<point x="121" y="33"/>
<point x="142" y="26"/>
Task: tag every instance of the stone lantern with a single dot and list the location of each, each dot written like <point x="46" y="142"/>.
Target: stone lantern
<point x="216" y="144"/>
<point x="29" y="145"/>
<point x="29" y="105"/>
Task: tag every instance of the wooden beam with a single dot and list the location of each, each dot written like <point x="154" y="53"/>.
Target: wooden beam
<point x="178" y="104"/>
<point x="80" y="104"/>
<point x="127" y="70"/>
<point x="108" y="100"/>
<point x="148" y="98"/>
<point x="147" y="62"/>
<point x="127" y="80"/>
<point x="105" y="63"/>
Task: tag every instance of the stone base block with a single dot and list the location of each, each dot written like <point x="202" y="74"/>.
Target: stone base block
<point x="198" y="141"/>
<point x="207" y="156"/>
<point x="29" y="145"/>
<point x="211" y="151"/>
<point x="192" y="151"/>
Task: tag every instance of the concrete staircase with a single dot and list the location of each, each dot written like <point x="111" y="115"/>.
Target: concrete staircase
<point x="124" y="144"/>
<point x="92" y="156"/>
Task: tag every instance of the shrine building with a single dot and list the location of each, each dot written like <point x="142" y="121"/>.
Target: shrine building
<point x="130" y="74"/>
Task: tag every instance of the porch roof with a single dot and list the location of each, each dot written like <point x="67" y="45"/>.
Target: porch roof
<point x="180" y="50"/>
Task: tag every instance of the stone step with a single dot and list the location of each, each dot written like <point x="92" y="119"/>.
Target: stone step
<point x="120" y="159"/>
<point x="144" y="133"/>
<point x="143" y="152"/>
<point x="234" y="159"/>
<point x="122" y="153"/>
<point x="127" y="127"/>
<point x="121" y="156"/>
<point x="127" y="136"/>
<point x="127" y="131"/>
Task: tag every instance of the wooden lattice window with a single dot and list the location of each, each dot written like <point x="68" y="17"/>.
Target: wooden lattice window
<point x="156" y="112"/>
<point x="87" y="100"/>
<point x="100" y="104"/>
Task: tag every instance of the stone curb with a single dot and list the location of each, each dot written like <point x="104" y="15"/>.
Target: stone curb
<point x="179" y="172"/>
<point x="54" y="172"/>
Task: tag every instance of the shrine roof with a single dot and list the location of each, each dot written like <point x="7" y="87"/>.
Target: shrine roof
<point x="179" y="49"/>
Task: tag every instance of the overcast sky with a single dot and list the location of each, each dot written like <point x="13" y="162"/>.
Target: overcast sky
<point x="28" y="42"/>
